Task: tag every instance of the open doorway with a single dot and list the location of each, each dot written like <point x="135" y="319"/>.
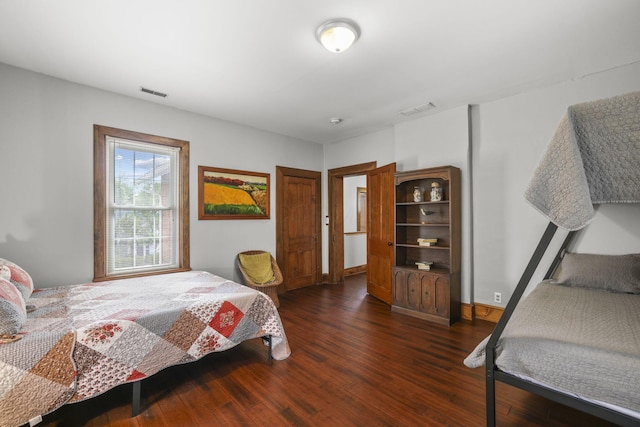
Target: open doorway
<point x="355" y="224"/>
<point x="336" y="216"/>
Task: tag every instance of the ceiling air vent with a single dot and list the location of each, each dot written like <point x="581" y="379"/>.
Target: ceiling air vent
<point x="417" y="109"/>
<point x="153" y="92"/>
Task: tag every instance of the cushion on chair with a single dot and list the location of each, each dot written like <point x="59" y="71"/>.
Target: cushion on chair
<point x="258" y="267"/>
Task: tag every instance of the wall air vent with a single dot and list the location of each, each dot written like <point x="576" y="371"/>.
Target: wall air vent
<point x="417" y="109"/>
<point x="152" y="92"/>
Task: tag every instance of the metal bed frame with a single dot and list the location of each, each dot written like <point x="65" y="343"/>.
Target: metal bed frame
<point x="493" y="373"/>
<point x="137" y="385"/>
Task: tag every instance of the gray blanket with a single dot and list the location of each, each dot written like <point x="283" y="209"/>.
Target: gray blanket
<point x="593" y="158"/>
<point x="583" y="342"/>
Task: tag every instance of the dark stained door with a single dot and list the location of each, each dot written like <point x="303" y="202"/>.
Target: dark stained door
<point x="299" y="250"/>
<point x="380" y="232"/>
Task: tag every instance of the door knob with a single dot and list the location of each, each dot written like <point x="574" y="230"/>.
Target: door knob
<point x="389" y="243"/>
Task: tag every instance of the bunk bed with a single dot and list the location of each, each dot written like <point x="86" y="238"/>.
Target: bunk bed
<point x="575" y="338"/>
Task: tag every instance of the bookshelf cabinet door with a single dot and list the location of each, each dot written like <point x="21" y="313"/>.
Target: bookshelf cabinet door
<point x="435" y="294"/>
<point x="399" y="287"/>
<point x="413" y="290"/>
<point x="442" y="296"/>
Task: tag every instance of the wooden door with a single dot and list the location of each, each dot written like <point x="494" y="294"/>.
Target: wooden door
<point x="298" y="249"/>
<point x="381" y="220"/>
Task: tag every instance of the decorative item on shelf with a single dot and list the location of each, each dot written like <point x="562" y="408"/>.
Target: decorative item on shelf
<point x="426" y="212"/>
<point x="424" y="265"/>
<point x="417" y="194"/>
<point x="436" y="192"/>
<point x="427" y="242"/>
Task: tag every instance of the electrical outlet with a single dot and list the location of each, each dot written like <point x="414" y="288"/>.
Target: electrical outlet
<point x="497" y="297"/>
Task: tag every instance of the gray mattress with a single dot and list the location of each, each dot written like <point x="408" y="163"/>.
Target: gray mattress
<point x="580" y="341"/>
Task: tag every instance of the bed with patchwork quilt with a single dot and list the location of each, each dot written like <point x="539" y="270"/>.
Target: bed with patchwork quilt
<point x="79" y="341"/>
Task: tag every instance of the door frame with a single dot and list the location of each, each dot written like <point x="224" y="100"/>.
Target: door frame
<point x="281" y="173"/>
<point x="335" y="180"/>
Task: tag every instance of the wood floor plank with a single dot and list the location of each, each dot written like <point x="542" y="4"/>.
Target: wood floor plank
<point x="353" y="363"/>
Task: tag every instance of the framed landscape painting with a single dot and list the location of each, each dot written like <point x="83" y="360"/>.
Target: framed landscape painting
<point x="232" y="194"/>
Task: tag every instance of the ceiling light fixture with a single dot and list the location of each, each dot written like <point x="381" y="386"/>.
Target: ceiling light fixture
<point x="337" y="35"/>
<point x="336" y="120"/>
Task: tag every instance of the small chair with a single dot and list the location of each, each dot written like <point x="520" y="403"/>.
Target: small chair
<point x="271" y="287"/>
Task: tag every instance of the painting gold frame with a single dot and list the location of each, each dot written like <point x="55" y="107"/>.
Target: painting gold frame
<point x="232" y="194"/>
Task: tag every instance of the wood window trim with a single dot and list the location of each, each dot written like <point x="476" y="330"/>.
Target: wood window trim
<point x="100" y="134"/>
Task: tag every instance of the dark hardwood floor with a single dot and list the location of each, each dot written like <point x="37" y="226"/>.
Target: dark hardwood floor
<point x="353" y="363"/>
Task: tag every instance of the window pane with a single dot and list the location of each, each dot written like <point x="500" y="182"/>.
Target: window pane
<point x="142" y="178"/>
<point x="142" y="238"/>
<point x="124" y="173"/>
<point x="143" y="232"/>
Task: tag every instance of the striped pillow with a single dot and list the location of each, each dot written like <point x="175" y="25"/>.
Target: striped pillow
<point x="19" y="278"/>
<point x="13" y="312"/>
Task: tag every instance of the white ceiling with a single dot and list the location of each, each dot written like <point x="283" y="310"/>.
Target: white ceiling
<point x="257" y="62"/>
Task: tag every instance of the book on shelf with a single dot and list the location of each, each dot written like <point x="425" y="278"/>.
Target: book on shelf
<point x="427" y="242"/>
<point x="424" y="265"/>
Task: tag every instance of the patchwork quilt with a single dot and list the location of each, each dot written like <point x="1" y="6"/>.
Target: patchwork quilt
<point x="80" y="341"/>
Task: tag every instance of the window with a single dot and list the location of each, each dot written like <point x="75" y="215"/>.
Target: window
<point x="141" y="204"/>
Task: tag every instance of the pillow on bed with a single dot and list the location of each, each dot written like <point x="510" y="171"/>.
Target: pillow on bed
<point x="258" y="267"/>
<point x="13" y="312"/>
<point x="614" y="273"/>
<point x="19" y="278"/>
<point x="5" y="272"/>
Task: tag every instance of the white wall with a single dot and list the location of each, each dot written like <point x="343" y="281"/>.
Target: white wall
<point x="373" y="147"/>
<point x="428" y="141"/>
<point x="510" y="136"/>
<point x="439" y="140"/>
<point x="355" y="250"/>
<point x="350" y="185"/>
<point x="355" y="245"/>
<point x="46" y="168"/>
